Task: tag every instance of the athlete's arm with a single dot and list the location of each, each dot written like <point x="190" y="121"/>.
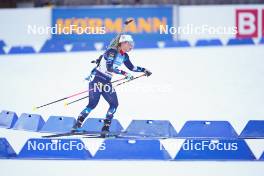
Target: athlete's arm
<point x="131" y="67"/>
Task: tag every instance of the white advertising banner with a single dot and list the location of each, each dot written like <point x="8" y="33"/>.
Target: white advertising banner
<point x="15" y="25"/>
<point x="224" y="22"/>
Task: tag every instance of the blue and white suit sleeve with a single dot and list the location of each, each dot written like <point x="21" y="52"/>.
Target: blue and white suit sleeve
<point x="131" y="67"/>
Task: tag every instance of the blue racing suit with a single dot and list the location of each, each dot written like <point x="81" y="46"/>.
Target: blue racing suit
<point x="100" y="82"/>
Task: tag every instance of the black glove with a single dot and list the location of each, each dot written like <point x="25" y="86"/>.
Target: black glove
<point x="147" y="72"/>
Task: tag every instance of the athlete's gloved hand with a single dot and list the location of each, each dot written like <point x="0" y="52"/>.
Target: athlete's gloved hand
<point x="147" y="72"/>
<point x="129" y="76"/>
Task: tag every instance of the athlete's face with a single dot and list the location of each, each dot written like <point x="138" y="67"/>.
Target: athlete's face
<point x="127" y="46"/>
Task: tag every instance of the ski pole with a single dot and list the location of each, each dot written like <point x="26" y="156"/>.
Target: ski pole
<point x="122" y="31"/>
<point x="76" y="94"/>
<point x="66" y="104"/>
<point x="129" y="80"/>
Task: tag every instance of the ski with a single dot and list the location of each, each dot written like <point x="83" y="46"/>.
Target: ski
<point x="82" y="133"/>
<point x="134" y="137"/>
<point x="94" y="134"/>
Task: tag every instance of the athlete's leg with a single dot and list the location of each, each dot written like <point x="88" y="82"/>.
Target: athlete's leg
<point x="110" y="96"/>
<point x="94" y="97"/>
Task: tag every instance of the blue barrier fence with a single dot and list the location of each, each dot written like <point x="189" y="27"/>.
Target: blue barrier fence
<point x="54" y="46"/>
<point x="202" y="140"/>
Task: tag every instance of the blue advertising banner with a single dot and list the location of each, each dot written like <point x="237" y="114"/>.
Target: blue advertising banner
<point x="102" y="23"/>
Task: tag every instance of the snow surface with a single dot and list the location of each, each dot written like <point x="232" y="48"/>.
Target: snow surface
<point x="215" y="83"/>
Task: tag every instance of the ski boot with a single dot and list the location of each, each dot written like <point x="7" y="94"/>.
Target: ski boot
<point x="77" y="127"/>
<point x="105" y="130"/>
